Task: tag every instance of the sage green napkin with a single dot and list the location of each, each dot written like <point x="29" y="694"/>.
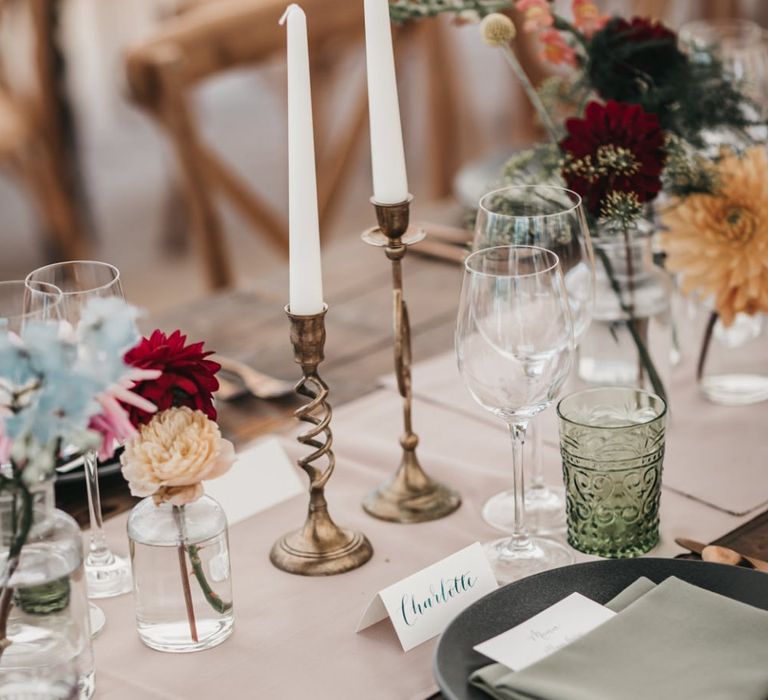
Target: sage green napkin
<point x="675" y="642"/>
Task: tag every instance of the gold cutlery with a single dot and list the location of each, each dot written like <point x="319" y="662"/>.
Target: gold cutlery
<point x="720" y="555"/>
<point x="261" y="385"/>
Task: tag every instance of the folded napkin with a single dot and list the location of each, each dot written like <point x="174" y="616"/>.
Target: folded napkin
<point x="674" y="641"/>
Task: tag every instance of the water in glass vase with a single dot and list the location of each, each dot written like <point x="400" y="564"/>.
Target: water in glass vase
<point x="49" y="655"/>
<point x="181" y="574"/>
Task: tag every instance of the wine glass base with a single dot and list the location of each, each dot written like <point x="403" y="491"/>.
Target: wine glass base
<point x="109" y="580"/>
<point x="544" y="510"/>
<point x="541" y="554"/>
<point x="98" y="619"/>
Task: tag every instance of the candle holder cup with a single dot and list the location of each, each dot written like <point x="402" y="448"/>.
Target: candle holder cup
<point x="410" y="495"/>
<point x="320" y="547"/>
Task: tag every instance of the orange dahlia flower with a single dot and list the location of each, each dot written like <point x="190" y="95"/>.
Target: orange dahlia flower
<point x="719" y="242"/>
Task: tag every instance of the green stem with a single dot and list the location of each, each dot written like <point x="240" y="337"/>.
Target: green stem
<point x="531" y="92"/>
<point x="213" y="598"/>
<point x="21" y="527"/>
<point x="645" y="357"/>
<point x="705" y="345"/>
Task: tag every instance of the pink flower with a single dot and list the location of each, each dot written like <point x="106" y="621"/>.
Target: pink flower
<point x="536" y="14"/>
<point x="113" y="423"/>
<point x="587" y="17"/>
<point x="556" y="49"/>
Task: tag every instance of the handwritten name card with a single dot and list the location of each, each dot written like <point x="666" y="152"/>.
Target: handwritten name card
<point x="550" y="630"/>
<point x="421" y="606"/>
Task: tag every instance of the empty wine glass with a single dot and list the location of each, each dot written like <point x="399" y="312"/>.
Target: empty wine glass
<point x="107" y="574"/>
<point x="549" y="217"/>
<point x="514" y="344"/>
<point x="20" y="304"/>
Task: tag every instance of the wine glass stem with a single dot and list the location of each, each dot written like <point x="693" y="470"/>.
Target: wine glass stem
<point x="537" y="476"/>
<point x="98" y="552"/>
<point x="519" y="538"/>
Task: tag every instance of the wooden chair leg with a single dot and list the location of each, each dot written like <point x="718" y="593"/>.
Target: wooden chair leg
<point x="54" y="205"/>
<point x="257" y="212"/>
<point x="204" y="219"/>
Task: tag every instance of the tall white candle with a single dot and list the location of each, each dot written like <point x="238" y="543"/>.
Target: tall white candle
<point x="306" y="284"/>
<point x="390" y="182"/>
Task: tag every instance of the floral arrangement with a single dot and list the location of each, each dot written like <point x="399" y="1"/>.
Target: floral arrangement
<point x="634" y="120"/>
<point x="178" y="446"/>
<point x="61" y="387"/>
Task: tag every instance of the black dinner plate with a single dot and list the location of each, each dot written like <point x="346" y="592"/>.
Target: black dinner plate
<point x="506" y="607"/>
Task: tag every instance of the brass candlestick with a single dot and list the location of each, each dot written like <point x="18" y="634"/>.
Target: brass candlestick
<point x="409" y="496"/>
<point x="320" y="548"/>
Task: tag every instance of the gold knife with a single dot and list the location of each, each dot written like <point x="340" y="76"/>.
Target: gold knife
<point x="698" y="548"/>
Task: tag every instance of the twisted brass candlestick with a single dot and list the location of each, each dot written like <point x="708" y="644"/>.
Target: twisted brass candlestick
<point x="409" y="496"/>
<point x="320" y="548"/>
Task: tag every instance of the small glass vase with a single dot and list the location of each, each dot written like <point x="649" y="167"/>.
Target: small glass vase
<point x="50" y="653"/>
<point x="628" y="285"/>
<point x="182" y="584"/>
<point x="732" y="367"/>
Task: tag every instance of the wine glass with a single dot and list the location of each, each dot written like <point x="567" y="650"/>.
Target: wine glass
<point x="107" y="574"/>
<point x="515" y="345"/>
<point x="20" y="303"/>
<point x="550" y="217"/>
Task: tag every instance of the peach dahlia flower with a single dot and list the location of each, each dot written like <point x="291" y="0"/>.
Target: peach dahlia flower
<point x="719" y="242"/>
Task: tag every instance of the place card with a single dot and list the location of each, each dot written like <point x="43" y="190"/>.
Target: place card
<point x="421" y="605"/>
<point x="550" y="630"/>
<point x="262" y="477"/>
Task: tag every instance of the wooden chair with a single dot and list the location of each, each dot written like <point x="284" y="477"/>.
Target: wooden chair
<point x="31" y="142"/>
<point x="208" y="39"/>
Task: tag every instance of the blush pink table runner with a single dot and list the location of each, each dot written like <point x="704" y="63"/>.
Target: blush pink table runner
<point x="294" y="636"/>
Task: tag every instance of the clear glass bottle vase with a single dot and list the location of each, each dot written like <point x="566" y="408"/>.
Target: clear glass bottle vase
<point x="182" y="583"/>
<point x="629" y="285"/>
<point x="50" y="653"/>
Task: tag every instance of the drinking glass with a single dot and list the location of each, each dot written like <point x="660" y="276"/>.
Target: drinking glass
<point x="107" y="574"/>
<point x="514" y="343"/>
<point x="20" y="303"/>
<point x="612" y="444"/>
<point x="740" y="46"/>
<point x="549" y="217"/>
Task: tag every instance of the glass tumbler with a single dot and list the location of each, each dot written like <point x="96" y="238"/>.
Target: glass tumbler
<point x="612" y="447"/>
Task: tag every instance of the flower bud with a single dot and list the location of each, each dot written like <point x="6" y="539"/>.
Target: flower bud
<point x="497" y="29"/>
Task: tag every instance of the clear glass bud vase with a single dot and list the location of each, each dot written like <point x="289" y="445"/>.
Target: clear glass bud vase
<point x="181" y="574"/>
<point x="732" y="367"/>
<point x="628" y="286"/>
<point x="49" y="654"/>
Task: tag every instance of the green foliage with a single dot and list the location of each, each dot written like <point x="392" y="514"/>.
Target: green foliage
<point x="405" y="10"/>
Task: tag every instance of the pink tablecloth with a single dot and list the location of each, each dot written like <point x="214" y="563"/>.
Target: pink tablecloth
<point x="294" y="636"/>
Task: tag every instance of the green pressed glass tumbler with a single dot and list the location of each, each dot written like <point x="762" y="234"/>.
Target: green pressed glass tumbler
<point x="612" y="447"/>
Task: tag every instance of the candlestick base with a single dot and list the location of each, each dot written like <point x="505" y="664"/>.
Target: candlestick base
<point x="410" y="496"/>
<point x="320" y="548"/>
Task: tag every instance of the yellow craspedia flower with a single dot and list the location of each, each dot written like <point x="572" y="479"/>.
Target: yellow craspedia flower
<point x="719" y="242"/>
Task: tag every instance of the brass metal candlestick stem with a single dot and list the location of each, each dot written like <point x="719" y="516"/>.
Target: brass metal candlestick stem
<point x="320" y="548"/>
<point x="409" y="496"/>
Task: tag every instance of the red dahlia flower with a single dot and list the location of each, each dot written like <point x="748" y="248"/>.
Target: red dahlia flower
<point x="187" y="377"/>
<point x="616" y="147"/>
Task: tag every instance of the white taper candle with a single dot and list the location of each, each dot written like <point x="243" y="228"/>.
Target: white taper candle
<point x="306" y="284"/>
<point x="390" y="182"/>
